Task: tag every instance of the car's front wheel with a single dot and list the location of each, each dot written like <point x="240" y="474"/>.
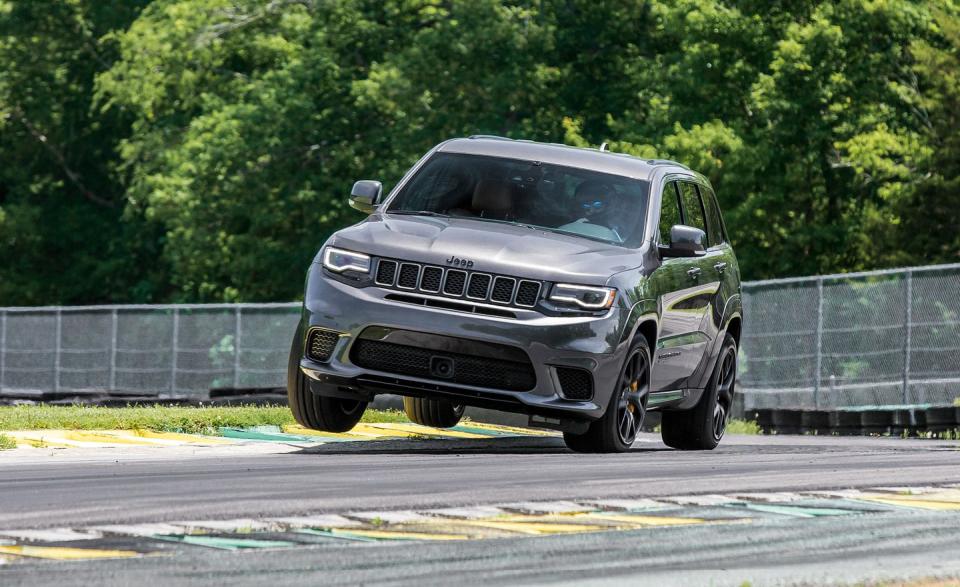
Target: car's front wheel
<point x="620" y="424"/>
<point x="329" y="414"/>
<point x="433" y="412"/>
<point x="702" y="427"/>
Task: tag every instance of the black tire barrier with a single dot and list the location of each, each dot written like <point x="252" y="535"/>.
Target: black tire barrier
<point x="845" y="423"/>
<point x="764" y="420"/>
<point x="941" y="419"/>
<point x="815" y="421"/>
<point x="895" y="422"/>
<point x="876" y="421"/>
<point x="787" y="421"/>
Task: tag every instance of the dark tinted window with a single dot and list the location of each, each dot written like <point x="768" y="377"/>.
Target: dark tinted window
<point x="713" y="217"/>
<point x="581" y="202"/>
<point x="669" y="211"/>
<point x="692" y="208"/>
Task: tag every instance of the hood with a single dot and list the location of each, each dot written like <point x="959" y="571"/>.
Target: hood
<point x="491" y="247"/>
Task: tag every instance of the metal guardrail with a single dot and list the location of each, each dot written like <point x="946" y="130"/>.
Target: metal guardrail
<point x="859" y="339"/>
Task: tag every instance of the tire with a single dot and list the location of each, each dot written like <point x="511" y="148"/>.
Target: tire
<point x="329" y="414"/>
<point x="702" y="427"/>
<point x="433" y="412"/>
<point x="616" y="430"/>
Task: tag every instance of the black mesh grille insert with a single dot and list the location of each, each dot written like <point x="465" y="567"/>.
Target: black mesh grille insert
<point x="386" y="271"/>
<point x="431" y="278"/>
<point x="467" y="369"/>
<point x="575" y="383"/>
<point x="408" y="275"/>
<point x="502" y="289"/>
<point x="320" y="344"/>
<point x="455" y="282"/>
<point x="479" y="284"/>
<point x="527" y="293"/>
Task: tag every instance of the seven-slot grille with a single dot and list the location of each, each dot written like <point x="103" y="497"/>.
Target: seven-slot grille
<point x="498" y="289"/>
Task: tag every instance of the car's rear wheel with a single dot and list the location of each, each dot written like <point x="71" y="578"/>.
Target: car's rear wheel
<point x="433" y="412"/>
<point x="620" y="424"/>
<point x="329" y="414"/>
<point x="702" y="427"/>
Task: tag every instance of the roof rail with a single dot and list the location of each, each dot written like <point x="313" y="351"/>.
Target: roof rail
<point x="494" y="137"/>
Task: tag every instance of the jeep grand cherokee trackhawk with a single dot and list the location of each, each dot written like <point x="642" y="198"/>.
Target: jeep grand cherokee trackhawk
<point x="578" y="286"/>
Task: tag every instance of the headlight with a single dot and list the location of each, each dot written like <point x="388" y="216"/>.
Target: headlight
<point x="584" y="296"/>
<point x="340" y="260"/>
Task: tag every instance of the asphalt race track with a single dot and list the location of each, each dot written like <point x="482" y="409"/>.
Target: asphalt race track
<point x="764" y="509"/>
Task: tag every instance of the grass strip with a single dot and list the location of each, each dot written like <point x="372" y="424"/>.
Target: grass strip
<point x="6" y="443"/>
<point x="742" y="427"/>
<point x="188" y="419"/>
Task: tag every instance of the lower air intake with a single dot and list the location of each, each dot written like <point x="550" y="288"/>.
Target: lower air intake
<point x="575" y="384"/>
<point x="421" y="362"/>
<point x="320" y="344"/>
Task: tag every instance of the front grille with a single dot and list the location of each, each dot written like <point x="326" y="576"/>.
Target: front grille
<point x="409" y="273"/>
<point x="575" y="383"/>
<point x="528" y="292"/>
<point x="455" y="282"/>
<point x="467" y="369"/>
<point x="503" y="290"/>
<point x="386" y="272"/>
<point x="431" y="278"/>
<point x="479" y="284"/>
<point x="475" y="286"/>
<point x="320" y="344"/>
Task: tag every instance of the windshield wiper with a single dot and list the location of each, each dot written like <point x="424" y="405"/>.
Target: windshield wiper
<point x="418" y="213"/>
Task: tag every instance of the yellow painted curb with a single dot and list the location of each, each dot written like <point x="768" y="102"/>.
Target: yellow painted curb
<point x="645" y="521"/>
<point x="925" y="502"/>
<point x="532" y="526"/>
<point x="417" y="429"/>
<point x="508" y="429"/>
<point x="63" y="553"/>
<point x="108" y="438"/>
<point x="398" y="534"/>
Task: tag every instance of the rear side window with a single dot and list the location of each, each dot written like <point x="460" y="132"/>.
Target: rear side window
<point x="692" y="208"/>
<point x="717" y="237"/>
<point x="669" y="211"/>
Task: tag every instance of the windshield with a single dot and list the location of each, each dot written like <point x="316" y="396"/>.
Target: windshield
<point x="598" y="206"/>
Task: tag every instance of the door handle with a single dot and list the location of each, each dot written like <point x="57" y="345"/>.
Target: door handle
<point x="720" y="267"/>
<point x="694" y="272"/>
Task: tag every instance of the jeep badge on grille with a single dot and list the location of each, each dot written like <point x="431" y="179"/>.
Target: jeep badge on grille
<point x="458" y="262"/>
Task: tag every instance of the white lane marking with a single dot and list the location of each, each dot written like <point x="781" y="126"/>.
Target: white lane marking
<point x="150" y="529"/>
<point x="701" y="500"/>
<point x="239" y="525"/>
<point x="52" y="535"/>
<point x="779" y="497"/>
<point x="390" y="517"/>
<point x="466" y="513"/>
<point x="317" y="521"/>
<point x="836" y="493"/>
<point x="625" y="504"/>
<point x="545" y="507"/>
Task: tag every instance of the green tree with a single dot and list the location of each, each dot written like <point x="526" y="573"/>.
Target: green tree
<point x="64" y="235"/>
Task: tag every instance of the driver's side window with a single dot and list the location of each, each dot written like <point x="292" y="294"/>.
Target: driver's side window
<point x="669" y="211"/>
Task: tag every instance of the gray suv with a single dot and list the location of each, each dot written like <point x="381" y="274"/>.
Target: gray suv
<point x="580" y="287"/>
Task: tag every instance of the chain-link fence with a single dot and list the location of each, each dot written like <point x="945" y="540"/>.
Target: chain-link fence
<point x="861" y="339"/>
<point x="162" y="351"/>
<point x="877" y="338"/>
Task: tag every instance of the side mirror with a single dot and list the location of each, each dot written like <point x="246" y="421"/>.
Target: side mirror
<point x="685" y="241"/>
<point x="365" y="195"/>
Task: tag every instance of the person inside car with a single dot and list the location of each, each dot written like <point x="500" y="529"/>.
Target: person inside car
<point x="592" y="209"/>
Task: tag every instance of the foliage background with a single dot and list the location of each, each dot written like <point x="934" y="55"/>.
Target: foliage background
<point x="200" y="150"/>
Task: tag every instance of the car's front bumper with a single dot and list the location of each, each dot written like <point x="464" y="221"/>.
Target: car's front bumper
<point x="586" y="342"/>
